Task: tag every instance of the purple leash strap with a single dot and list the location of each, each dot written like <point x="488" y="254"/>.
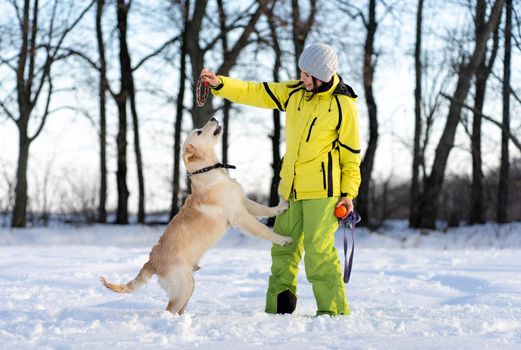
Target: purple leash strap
<point x="351" y="220"/>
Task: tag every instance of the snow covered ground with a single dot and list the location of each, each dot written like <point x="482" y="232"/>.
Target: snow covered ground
<point x="454" y="290"/>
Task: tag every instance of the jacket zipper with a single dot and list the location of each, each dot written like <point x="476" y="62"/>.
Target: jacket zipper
<point x="323" y="175"/>
<point x="329" y="175"/>
<point x="311" y="128"/>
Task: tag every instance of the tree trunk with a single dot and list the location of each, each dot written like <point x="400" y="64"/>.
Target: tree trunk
<point x="502" y="208"/>
<point x="130" y="92"/>
<point x="137" y="151"/>
<point x="121" y="100"/>
<point x="24" y="108"/>
<point x="476" y="204"/>
<point x="275" y="137"/>
<point x="121" y="173"/>
<point x="32" y="73"/>
<point x="102" y="211"/>
<point x="200" y="115"/>
<point x="432" y="186"/>
<point x="227" y="104"/>
<point x="301" y="28"/>
<point x="174" y="208"/>
<point x="366" y="168"/>
<point x="416" y="156"/>
<point x="20" y="203"/>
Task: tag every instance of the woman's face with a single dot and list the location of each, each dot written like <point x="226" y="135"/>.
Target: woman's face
<point x="307" y="79"/>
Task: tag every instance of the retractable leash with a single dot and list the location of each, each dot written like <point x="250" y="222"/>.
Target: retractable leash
<point x="202" y="91"/>
<point x="350" y="221"/>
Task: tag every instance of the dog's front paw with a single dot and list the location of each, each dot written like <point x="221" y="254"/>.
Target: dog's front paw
<point x="282" y="206"/>
<point x="283" y="240"/>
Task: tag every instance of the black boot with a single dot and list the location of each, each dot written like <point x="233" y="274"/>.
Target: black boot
<point x="286" y="302"/>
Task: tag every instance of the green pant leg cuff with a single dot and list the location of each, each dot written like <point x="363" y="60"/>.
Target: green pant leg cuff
<point x="270" y="311"/>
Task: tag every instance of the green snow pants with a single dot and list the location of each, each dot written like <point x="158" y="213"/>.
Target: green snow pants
<point x="312" y="224"/>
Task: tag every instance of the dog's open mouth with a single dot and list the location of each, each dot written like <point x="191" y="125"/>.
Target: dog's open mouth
<point x="218" y="130"/>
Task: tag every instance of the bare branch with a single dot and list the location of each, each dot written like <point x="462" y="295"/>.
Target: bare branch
<point x="353" y="12"/>
<point x="7" y="62"/>
<point x="45" y="112"/>
<point x="512" y="91"/>
<point x="82" y="111"/>
<point x="312" y="14"/>
<point x="8" y="113"/>
<point x="71" y="27"/>
<point x="51" y="58"/>
<point x="514" y="139"/>
<point x="18" y="12"/>
<point x="73" y="52"/>
<point x="156" y="52"/>
<point x="224" y="30"/>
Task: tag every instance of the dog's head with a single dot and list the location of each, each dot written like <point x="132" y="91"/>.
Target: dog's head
<point x="198" y="148"/>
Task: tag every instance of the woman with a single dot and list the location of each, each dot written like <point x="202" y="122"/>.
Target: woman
<point x="320" y="171"/>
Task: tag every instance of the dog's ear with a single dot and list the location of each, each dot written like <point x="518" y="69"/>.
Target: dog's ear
<point x="190" y="154"/>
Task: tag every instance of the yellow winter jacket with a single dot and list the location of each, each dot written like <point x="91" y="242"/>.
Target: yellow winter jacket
<point x="322" y="139"/>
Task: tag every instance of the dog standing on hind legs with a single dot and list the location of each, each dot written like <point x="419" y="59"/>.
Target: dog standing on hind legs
<point x="216" y="203"/>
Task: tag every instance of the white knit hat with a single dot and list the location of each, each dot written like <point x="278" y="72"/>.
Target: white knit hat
<point x="319" y="60"/>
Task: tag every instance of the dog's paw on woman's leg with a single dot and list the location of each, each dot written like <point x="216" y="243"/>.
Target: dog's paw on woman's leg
<point x="282" y="206"/>
<point x="282" y="240"/>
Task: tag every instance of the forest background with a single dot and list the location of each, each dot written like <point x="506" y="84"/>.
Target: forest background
<point x="96" y="97"/>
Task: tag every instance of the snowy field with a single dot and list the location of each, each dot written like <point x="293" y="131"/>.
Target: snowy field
<point x="454" y="290"/>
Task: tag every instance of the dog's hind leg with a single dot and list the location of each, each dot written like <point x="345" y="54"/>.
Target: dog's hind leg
<point x="261" y="211"/>
<point x="180" y="289"/>
<point x="182" y="310"/>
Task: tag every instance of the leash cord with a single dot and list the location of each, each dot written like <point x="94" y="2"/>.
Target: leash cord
<point x="202" y="91"/>
<point x="351" y="221"/>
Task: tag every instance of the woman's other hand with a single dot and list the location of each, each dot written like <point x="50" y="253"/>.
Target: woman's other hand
<point x="209" y="77"/>
<point x="348" y="203"/>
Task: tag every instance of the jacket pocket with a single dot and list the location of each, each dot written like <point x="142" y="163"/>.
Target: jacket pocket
<point x="311" y="128"/>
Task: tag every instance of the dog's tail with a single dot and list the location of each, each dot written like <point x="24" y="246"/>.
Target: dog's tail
<point x="143" y="276"/>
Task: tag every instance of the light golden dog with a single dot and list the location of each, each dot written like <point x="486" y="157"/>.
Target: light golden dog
<point x="216" y="203"/>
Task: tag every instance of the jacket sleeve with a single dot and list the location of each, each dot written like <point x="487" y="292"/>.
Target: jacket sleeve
<point x="349" y="141"/>
<point x="263" y="95"/>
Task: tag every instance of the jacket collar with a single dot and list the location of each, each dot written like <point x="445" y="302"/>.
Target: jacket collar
<point x="338" y="88"/>
<point x="343" y="89"/>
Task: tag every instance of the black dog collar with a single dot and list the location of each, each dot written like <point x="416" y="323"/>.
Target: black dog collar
<point x="209" y="168"/>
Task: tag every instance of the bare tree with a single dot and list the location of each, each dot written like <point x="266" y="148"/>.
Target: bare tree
<point x="301" y="27"/>
<point x="482" y="75"/>
<point x="179" y="112"/>
<point x="193" y="48"/>
<point x="432" y="186"/>
<point x="126" y="94"/>
<point x="227" y="104"/>
<point x="273" y="23"/>
<point x="501" y="126"/>
<point x="121" y="101"/>
<point x="32" y="65"/>
<point x="370" y="61"/>
<point x="102" y="210"/>
<point x="416" y="156"/>
<point x="197" y="51"/>
<point x="7" y="198"/>
<point x="502" y="209"/>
